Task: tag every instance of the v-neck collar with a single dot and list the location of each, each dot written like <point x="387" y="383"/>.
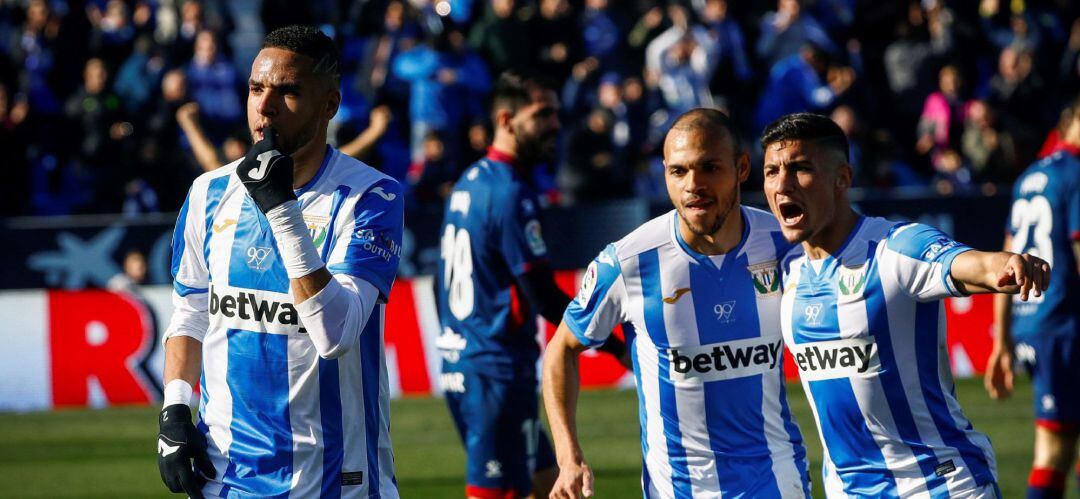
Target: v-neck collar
<point x="706" y="261"/>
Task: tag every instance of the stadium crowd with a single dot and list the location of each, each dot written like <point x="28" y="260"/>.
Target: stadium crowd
<point x="113" y="106"/>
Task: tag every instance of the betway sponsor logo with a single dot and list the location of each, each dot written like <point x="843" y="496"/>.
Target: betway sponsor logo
<point x="253" y="310"/>
<point x="837" y="359"/>
<point x="718" y="361"/>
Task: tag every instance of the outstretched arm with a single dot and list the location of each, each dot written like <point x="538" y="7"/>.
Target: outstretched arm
<point x="999" y="368"/>
<point x="1000" y="272"/>
<point x="561" y="386"/>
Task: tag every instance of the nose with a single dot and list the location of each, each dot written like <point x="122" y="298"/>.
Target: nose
<point x="694" y="180"/>
<point x="785" y="181"/>
<point x="266" y="103"/>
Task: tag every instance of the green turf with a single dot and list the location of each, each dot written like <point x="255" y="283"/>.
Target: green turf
<point x="110" y="453"/>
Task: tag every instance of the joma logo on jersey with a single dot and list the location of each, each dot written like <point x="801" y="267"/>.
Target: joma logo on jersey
<point x="248" y="306"/>
<point x="766" y="278"/>
<point x="851" y="280"/>
<point x="734" y="359"/>
<point x="837" y="359"/>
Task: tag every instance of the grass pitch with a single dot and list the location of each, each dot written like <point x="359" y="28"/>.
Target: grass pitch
<point x="110" y="453"/>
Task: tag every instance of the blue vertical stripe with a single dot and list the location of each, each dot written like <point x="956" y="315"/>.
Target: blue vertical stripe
<point x="178" y="242"/>
<point x="735" y="429"/>
<point x="214" y="192"/>
<point x="340" y="194"/>
<point x="794" y="434"/>
<point x="649" y="267"/>
<point x="928" y="344"/>
<point x="891" y="383"/>
<point x="643" y="410"/>
<point x="255" y="262"/>
<point x="333" y="436"/>
<point x="370" y="358"/>
<point x="258" y="378"/>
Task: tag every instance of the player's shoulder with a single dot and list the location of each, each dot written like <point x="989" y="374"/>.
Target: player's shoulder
<point x="1059" y="170"/>
<point x="918" y="241"/>
<point x="212" y="184"/>
<point x="764" y="241"/>
<point x="224" y="171"/>
<point x="650" y="235"/>
<point x="360" y="178"/>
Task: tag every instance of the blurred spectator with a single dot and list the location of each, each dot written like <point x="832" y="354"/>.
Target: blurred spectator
<point x="681" y="62"/>
<point x="1069" y="66"/>
<point x="137" y="78"/>
<point x="112" y="34"/>
<point x="802" y="82"/>
<point x="784" y="32"/>
<point x="909" y="65"/>
<point x="133" y="273"/>
<point x="95" y="116"/>
<point x="602" y="34"/>
<point x="951" y="173"/>
<point x="990" y="151"/>
<point x="1018" y="94"/>
<point x="591" y="172"/>
<point x="14" y="139"/>
<point x="214" y="83"/>
<point x="479" y="139"/>
<point x="165" y="162"/>
<point x="497" y="37"/>
<point x="942" y="119"/>
<point x="732" y="66"/>
<point x="845" y="118"/>
<point x="33" y="49"/>
<point x="432" y="178"/>
<point x="139" y="198"/>
<point x="374" y="76"/>
<point x="556" y="40"/>
<point x="447" y="87"/>
<point x="1017" y="31"/>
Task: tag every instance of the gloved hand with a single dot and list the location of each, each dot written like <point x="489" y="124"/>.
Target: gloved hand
<point x="180" y="443"/>
<point x="267" y="173"/>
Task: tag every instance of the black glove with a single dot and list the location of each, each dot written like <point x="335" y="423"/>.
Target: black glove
<point x="267" y="173"/>
<point x="179" y="443"/>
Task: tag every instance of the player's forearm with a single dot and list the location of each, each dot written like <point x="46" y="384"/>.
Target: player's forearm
<point x="977" y="272"/>
<point x="363" y="143"/>
<point x="561" y="387"/>
<point x="204" y="150"/>
<point x="335" y="316"/>
<point x="183" y="361"/>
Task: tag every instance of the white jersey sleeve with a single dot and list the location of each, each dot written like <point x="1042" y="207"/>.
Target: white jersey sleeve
<point x="920" y="257"/>
<point x="189" y="269"/>
<point x="600" y="304"/>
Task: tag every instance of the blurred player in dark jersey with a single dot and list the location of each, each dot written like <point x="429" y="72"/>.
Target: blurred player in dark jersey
<point x="1042" y="332"/>
<point x="493" y="280"/>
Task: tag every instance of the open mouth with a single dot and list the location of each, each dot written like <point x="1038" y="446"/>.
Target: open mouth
<point x="790" y="213"/>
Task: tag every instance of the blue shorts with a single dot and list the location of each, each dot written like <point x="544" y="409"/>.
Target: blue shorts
<point x="504" y="439"/>
<point x="1053" y="361"/>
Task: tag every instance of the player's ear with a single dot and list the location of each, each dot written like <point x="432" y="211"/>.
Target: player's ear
<point x="333" y="102"/>
<point x="844" y="173"/>
<point x="742" y="166"/>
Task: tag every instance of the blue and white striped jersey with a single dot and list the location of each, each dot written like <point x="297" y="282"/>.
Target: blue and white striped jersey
<point x="867" y="331"/>
<point x="281" y="421"/>
<point x="708" y="358"/>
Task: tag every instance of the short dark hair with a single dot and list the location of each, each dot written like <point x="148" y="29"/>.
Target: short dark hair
<point x="806" y="127"/>
<point x="309" y="41"/>
<point x="514" y="89"/>
<point x="708" y="120"/>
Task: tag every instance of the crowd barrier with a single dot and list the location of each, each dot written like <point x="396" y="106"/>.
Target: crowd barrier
<point x="95" y="348"/>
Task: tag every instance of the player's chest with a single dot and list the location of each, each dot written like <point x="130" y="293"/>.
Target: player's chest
<point x="695" y="305"/>
<point x="240" y="247"/>
<point x="834" y="301"/>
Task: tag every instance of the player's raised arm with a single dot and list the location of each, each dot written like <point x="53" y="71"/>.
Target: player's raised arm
<point x="1000" y="272"/>
<point x="561" y="386"/>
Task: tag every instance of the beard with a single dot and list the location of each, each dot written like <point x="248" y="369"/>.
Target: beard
<point x="535" y="148"/>
<point x="718" y="222"/>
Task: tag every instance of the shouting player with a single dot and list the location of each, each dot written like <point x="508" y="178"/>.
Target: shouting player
<point x="281" y="264"/>
<point x="863" y="318"/>
<point x="700" y="286"/>
<point x="493" y="280"/>
<point x="1045" y="221"/>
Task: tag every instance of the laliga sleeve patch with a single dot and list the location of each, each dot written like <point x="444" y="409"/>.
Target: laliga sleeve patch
<point x="535" y="238"/>
<point x="588" y="285"/>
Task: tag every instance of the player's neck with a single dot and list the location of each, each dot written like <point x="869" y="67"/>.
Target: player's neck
<point x="718" y="243"/>
<point x="307" y="160"/>
<point x="828" y="240"/>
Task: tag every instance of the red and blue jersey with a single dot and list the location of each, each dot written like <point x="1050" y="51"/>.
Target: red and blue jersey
<point x="1045" y="221"/>
<point x="490" y="235"/>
